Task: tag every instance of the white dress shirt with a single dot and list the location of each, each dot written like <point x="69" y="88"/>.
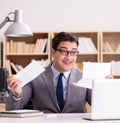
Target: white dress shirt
<point x="64" y="80"/>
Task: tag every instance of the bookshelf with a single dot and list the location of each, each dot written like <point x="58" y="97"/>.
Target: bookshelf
<point x="90" y="52"/>
<point x="1" y="53"/>
<point x="110" y="50"/>
<point x="20" y="51"/>
<point x="107" y="46"/>
<point x="23" y="50"/>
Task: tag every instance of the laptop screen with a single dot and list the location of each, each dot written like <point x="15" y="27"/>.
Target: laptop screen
<point x="105" y="99"/>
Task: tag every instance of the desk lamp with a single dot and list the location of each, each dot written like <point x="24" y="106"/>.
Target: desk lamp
<point x="17" y="28"/>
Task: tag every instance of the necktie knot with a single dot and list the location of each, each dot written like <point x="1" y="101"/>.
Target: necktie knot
<point x="60" y="75"/>
<point x="59" y="91"/>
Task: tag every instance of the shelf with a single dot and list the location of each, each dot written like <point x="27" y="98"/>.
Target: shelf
<point x="26" y="54"/>
<point x="110" y="50"/>
<point x="100" y="40"/>
<point x="20" y="51"/>
<point x="110" y="41"/>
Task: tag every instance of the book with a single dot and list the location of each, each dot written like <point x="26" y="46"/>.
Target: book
<point x="21" y="113"/>
<point x="109" y="48"/>
<point x="43" y="46"/>
<point x="14" y="67"/>
<point x="86" y="45"/>
<point x="8" y="66"/>
<point x="38" y="44"/>
<point x="118" y="48"/>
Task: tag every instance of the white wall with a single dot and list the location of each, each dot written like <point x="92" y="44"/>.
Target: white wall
<point x="65" y="15"/>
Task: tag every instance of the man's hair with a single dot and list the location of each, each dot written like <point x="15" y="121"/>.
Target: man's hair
<point x="63" y="36"/>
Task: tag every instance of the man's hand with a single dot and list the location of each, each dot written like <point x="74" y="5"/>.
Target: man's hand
<point x="109" y="77"/>
<point x="15" y="85"/>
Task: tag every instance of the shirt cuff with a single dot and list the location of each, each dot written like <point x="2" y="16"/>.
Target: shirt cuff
<point x="16" y="97"/>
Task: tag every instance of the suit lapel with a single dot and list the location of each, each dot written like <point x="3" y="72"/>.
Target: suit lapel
<point x="71" y="80"/>
<point x="50" y="84"/>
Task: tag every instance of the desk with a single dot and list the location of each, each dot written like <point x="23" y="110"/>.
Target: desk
<point x="2" y="107"/>
<point x="54" y="118"/>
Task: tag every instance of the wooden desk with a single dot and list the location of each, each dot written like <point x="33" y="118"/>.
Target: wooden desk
<point x="2" y="107"/>
<point x="55" y="118"/>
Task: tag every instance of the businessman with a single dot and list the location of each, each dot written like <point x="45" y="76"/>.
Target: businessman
<point x="53" y="90"/>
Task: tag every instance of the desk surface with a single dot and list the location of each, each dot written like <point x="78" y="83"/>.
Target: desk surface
<point x="55" y="118"/>
<point x="2" y="106"/>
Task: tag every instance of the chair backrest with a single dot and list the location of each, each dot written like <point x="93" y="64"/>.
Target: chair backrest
<point x="3" y="84"/>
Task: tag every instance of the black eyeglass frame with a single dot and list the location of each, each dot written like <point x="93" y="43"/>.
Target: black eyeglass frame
<point x="65" y="52"/>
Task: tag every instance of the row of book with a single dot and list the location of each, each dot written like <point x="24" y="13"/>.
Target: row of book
<point x="108" y="48"/>
<point x="40" y="46"/>
<point x="86" y="45"/>
<point x="14" y="68"/>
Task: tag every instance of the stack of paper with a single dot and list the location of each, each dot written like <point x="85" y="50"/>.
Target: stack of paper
<point x="21" y="113"/>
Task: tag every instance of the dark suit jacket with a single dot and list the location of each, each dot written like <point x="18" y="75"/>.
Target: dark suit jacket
<point x="42" y="92"/>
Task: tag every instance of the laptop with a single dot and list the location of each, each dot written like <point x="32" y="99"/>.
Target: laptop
<point x="105" y="99"/>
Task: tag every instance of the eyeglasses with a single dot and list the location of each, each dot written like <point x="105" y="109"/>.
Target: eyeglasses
<point x="65" y="52"/>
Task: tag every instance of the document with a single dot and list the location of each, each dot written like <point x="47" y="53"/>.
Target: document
<point x="21" y="113"/>
<point x="93" y="70"/>
<point x="30" y="72"/>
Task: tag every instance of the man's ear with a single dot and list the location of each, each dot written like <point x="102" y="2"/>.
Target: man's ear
<point x="52" y="51"/>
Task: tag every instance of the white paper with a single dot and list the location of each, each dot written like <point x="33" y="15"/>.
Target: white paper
<point x="20" y="111"/>
<point x="93" y="70"/>
<point x="86" y="83"/>
<point x="30" y="72"/>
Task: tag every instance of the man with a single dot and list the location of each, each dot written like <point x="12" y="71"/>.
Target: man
<point x="43" y="90"/>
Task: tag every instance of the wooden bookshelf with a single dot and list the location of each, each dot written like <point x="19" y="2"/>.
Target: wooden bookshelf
<point x="1" y="53"/>
<point x="110" y="48"/>
<point x="22" y="50"/>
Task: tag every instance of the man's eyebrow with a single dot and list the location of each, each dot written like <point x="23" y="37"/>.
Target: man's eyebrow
<point x="67" y="48"/>
<point x="64" y="47"/>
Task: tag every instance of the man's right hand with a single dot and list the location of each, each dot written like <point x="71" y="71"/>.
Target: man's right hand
<point x="15" y="85"/>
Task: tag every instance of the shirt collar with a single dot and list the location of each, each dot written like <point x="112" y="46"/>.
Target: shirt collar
<point x="56" y="72"/>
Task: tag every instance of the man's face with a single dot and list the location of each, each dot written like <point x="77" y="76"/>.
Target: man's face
<point x="64" y="61"/>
